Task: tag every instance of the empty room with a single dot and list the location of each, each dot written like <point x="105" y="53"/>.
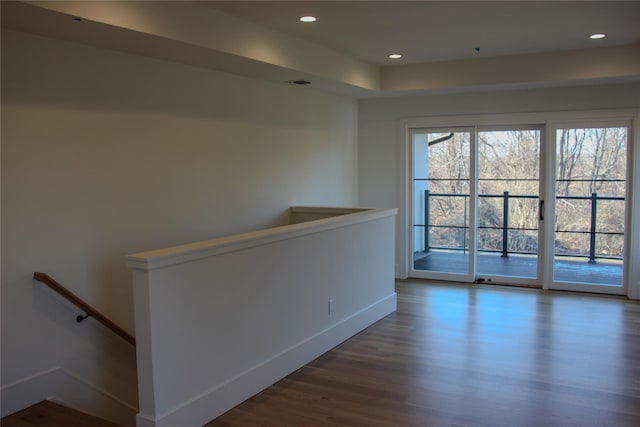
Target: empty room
<point x="320" y="213"/>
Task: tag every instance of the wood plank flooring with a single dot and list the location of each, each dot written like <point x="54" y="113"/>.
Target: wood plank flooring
<point x="462" y="355"/>
<point x="50" y="414"/>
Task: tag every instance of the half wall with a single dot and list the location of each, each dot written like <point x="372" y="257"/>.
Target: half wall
<point x="218" y="321"/>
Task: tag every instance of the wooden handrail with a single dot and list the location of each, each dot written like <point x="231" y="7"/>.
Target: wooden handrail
<point x="53" y="284"/>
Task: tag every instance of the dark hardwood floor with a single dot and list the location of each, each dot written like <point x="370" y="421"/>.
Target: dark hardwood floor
<point x="462" y="355"/>
<point x="50" y="414"/>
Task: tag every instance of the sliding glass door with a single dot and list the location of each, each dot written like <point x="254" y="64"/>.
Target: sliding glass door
<point x="475" y="201"/>
<point x="526" y="199"/>
<point x="590" y="208"/>
<point x="442" y="203"/>
<point x="508" y="205"/>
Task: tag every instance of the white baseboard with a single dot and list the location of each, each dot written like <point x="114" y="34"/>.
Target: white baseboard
<point x="59" y="385"/>
<point x="219" y="399"/>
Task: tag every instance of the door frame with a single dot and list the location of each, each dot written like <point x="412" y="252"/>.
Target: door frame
<point x="591" y="122"/>
<point x="469" y="275"/>
<point x="542" y="179"/>
<point x="548" y="120"/>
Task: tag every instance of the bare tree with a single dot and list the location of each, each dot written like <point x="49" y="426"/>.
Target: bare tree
<point x="588" y="161"/>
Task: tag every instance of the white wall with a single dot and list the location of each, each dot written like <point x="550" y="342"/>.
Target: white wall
<point x="380" y="137"/>
<point x="106" y="153"/>
<point x="420" y="170"/>
<point x="218" y="321"/>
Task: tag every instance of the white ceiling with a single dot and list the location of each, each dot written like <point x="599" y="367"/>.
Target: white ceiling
<point x="522" y="43"/>
<point x="425" y="31"/>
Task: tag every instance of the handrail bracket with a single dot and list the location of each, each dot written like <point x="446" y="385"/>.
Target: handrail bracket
<point x="89" y="310"/>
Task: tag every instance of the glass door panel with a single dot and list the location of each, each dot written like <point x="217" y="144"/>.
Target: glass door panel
<point x="508" y="205"/>
<point x="441" y="240"/>
<point x="590" y="191"/>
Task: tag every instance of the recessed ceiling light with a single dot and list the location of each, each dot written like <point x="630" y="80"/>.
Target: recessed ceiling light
<point x="597" y="36"/>
<point x="395" y="56"/>
<point x="308" y="18"/>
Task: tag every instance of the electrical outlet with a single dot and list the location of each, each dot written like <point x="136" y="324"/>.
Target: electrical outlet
<point x="330" y="307"/>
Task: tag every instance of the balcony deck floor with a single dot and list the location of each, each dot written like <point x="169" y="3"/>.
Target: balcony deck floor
<point x="603" y="272"/>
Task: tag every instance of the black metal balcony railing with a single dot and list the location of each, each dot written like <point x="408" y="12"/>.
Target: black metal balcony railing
<point x="506" y="196"/>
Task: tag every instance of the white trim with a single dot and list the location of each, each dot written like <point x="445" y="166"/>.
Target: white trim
<point x="593" y="122"/>
<point x="60" y="385"/>
<point x="468" y="276"/>
<point x="28" y="391"/>
<point x="473" y="203"/>
<point x="549" y="121"/>
<point x="352" y="265"/>
<point x="550" y="207"/>
<point x="633" y="267"/>
<point x="328" y="210"/>
<point x="165" y="257"/>
<point x="403" y="217"/>
<point x="516" y="118"/>
<point x="222" y="397"/>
